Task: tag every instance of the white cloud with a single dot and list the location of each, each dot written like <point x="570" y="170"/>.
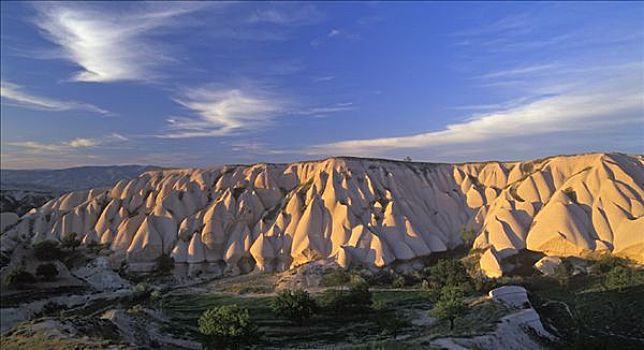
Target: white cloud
<point x="287" y="14"/>
<point x="323" y="78"/>
<point x="108" y="45"/>
<point x="67" y="146"/>
<point x="333" y="32"/>
<point x="318" y="111"/>
<point x="83" y="143"/>
<point x="222" y="112"/>
<point x="520" y="71"/>
<point x="608" y="101"/>
<point x="16" y="95"/>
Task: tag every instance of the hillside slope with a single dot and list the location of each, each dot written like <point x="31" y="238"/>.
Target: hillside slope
<point x="23" y="190"/>
<point x="354" y="211"/>
<point x="70" y="179"/>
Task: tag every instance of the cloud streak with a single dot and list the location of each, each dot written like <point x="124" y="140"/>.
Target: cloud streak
<point x="223" y="111"/>
<point x="15" y="95"/>
<point x="606" y="101"/>
<point x="109" y="46"/>
<point x="228" y="111"/>
<point x="78" y="143"/>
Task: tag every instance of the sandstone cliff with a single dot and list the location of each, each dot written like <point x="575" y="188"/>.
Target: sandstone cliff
<point x="355" y="211"/>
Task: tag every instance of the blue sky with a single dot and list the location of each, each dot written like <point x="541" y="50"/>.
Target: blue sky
<point x="198" y="84"/>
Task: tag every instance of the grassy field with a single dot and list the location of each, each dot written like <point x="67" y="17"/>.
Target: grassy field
<point x="356" y="330"/>
<point x="589" y="315"/>
<point x="323" y="329"/>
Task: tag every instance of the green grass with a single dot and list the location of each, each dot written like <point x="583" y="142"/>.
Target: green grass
<point x="323" y="329"/>
<point x="600" y="318"/>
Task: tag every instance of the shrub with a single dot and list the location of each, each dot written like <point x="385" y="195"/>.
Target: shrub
<point x="335" y="277"/>
<point x="449" y="272"/>
<point x="381" y="278"/>
<point x="398" y="282"/>
<point x="71" y="241"/>
<point x="391" y="324"/>
<point x="19" y="277"/>
<point x="47" y="272"/>
<point x="450" y="305"/>
<point x="227" y="326"/>
<point x="357" y="298"/>
<point x="620" y="277"/>
<point x="47" y="250"/>
<point x="164" y="264"/>
<point x="295" y="305"/>
<point x="608" y="262"/>
<point x="468" y="236"/>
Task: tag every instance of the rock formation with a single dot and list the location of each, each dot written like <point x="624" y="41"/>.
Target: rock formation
<point x="354" y="211"/>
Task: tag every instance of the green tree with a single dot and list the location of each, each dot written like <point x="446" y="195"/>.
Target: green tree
<point x="391" y="324"/>
<point x="164" y="264"/>
<point x="334" y="278"/>
<point x="449" y="272"/>
<point x="398" y="282"/>
<point x="468" y="236"/>
<point x="450" y="305"/>
<point x="47" y="250"/>
<point x="47" y="272"/>
<point x="18" y="277"/>
<point x="338" y="301"/>
<point x="227" y="326"/>
<point x="295" y="305"/>
<point x="71" y="241"/>
<point x="619" y="278"/>
<point x="607" y="262"/>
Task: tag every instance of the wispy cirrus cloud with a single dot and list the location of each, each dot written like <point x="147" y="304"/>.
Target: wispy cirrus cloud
<point x="225" y="111"/>
<point x="519" y="71"/>
<point x="287" y="14"/>
<point x="609" y="100"/>
<point x="15" y="95"/>
<point x="109" y="45"/>
<point x="67" y="146"/>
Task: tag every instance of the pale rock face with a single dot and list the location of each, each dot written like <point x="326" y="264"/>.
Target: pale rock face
<point x="358" y="212"/>
<point x="548" y="265"/>
<point x="491" y="263"/>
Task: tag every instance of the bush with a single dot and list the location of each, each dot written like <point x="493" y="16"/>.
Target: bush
<point x="164" y="264"/>
<point x="227" y="326"/>
<point x="47" y="250"/>
<point x="335" y="277"/>
<point x="620" y="277"/>
<point x="357" y="298"/>
<point x="71" y="241"/>
<point x="448" y="272"/>
<point x="295" y="305"/>
<point x="450" y="305"/>
<point x="608" y="262"/>
<point x="381" y="278"/>
<point x="47" y="272"/>
<point x="398" y="282"/>
<point x="391" y="324"/>
<point x="468" y="236"/>
<point x="19" y="277"/>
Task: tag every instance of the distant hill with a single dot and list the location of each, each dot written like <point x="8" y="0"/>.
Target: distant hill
<point x="21" y="190"/>
<point x="70" y="179"/>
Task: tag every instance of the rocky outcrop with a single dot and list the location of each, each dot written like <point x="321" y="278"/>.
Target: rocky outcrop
<point x="354" y="211"/>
